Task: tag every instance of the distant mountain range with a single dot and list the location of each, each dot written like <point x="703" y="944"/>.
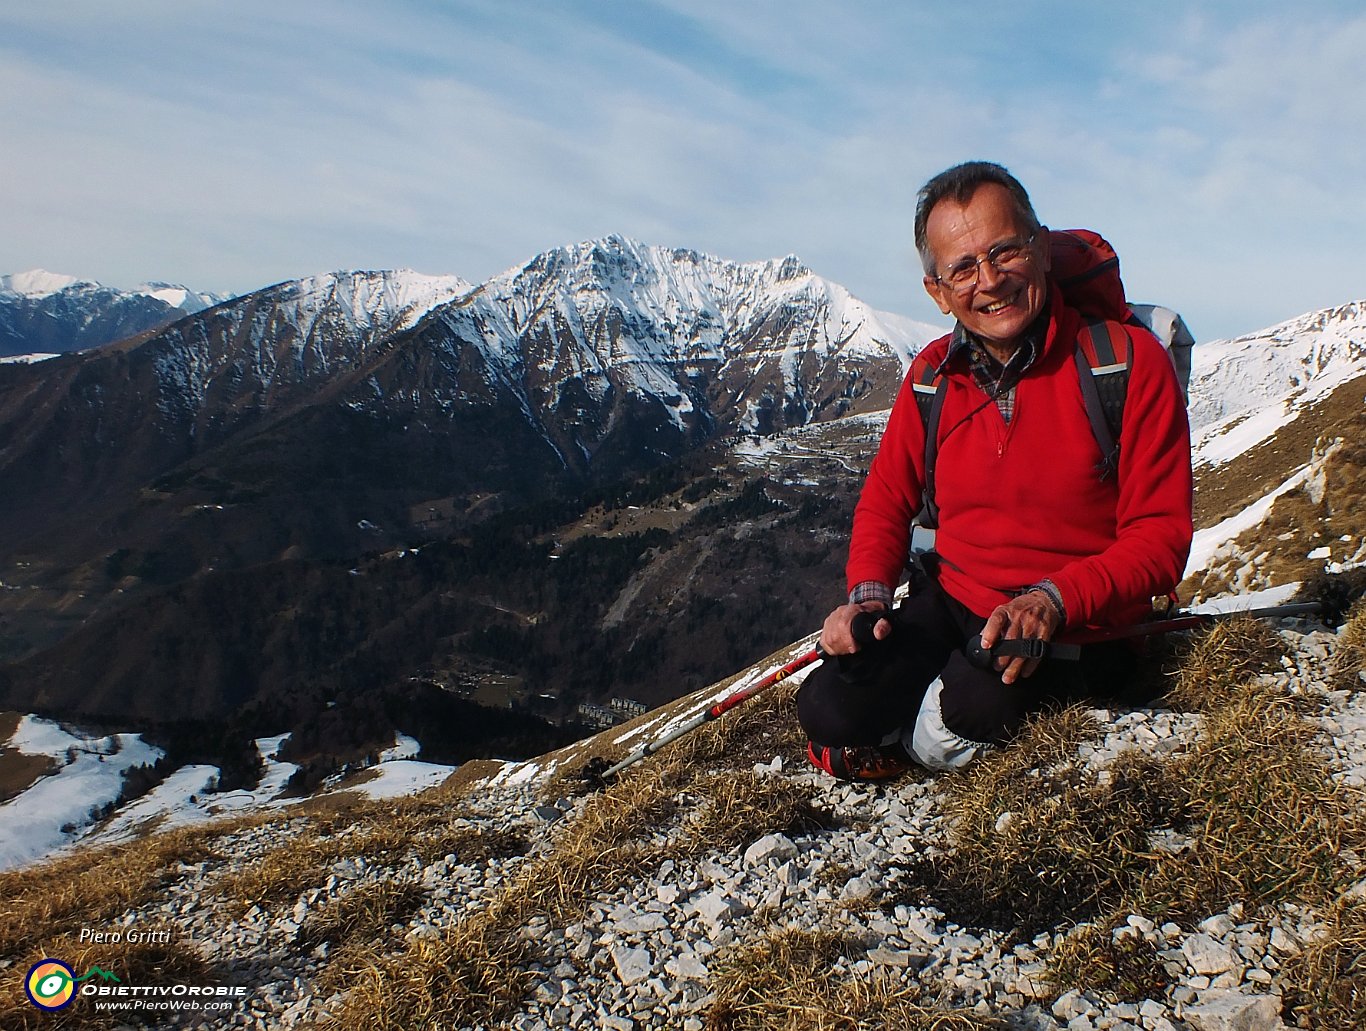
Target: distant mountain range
<point x="45" y="313"/>
<point x="591" y="362"/>
<point x="182" y="507"/>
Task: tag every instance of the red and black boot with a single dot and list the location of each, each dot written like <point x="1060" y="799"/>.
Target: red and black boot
<point x="860" y="762"/>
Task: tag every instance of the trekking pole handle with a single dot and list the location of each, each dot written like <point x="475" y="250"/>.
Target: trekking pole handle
<point x="861" y="627"/>
<point x="863" y="624"/>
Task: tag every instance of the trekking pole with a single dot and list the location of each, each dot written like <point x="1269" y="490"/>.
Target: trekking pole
<point x="1189" y="620"/>
<point x="863" y="633"/>
<point x="1069" y="648"/>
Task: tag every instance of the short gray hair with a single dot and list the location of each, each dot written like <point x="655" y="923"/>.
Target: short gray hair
<point x="959" y="183"/>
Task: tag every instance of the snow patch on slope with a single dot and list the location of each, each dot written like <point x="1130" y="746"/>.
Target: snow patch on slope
<point x="1216" y="542"/>
<point x="1244" y="390"/>
<point x="56" y="810"/>
<point x="53" y="815"/>
<point x="25" y="359"/>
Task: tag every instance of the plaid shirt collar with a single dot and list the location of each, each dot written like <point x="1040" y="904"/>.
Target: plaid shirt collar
<point x="997" y="379"/>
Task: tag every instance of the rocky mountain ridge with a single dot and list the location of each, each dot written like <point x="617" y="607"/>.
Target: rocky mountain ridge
<point x="596" y="361"/>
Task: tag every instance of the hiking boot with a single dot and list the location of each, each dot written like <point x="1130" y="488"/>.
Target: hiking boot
<point x="859" y="762"/>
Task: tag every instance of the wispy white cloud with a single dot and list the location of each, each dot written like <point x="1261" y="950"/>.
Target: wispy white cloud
<point x="230" y="146"/>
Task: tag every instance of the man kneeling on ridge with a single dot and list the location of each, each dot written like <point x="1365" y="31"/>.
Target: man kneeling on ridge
<point x="1036" y="531"/>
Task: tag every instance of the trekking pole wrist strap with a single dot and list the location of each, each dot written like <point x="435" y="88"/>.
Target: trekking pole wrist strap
<point x="1037" y="648"/>
<point x="1020" y="648"/>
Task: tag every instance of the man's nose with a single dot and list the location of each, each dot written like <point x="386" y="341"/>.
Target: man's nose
<point x="988" y="275"/>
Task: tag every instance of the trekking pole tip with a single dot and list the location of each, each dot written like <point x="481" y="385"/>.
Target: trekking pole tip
<point x="594" y="772"/>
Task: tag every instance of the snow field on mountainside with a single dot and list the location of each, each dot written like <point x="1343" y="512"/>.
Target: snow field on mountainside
<point x="1243" y="390"/>
<point x="54" y="814"/>
<point x="90" y="774"/>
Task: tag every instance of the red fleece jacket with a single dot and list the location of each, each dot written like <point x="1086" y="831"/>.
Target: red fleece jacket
<point x="1021" y="503"/>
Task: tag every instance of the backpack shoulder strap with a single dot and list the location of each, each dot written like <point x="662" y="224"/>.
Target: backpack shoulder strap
<point x="929" y="386"/>
<point x="1102" y="357"/>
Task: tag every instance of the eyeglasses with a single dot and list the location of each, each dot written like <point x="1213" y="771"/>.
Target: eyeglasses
<point x="1004" y="257"/>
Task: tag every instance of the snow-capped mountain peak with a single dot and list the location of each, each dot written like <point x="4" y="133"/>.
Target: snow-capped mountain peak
<point x="693" y="298"/>
<point x="758" y="345"/>
<point x="178" y="296"/>
<point x="38" y="283"/>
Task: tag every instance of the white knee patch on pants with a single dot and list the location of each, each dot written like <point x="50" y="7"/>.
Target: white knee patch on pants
<point x="934" y="745"/>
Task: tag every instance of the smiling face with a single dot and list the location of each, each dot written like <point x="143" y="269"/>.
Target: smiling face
<point x="1000" y="305"/>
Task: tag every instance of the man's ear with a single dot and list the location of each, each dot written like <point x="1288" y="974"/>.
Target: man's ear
<point x="937" y="293"/>
<point x="1045" y="248"/>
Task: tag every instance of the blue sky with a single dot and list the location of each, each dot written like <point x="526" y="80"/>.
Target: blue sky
<point x="228" y="145"/>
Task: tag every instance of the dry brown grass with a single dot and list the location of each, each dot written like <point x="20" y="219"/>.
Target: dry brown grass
<point x="739" y="807"/>
<point x="475" y="976"/>
<point x="476" y="973"/>
<point x="1040" y="841"/>
<point x="1349" y="660"/>
<point x="1037" y="840"/>
<point x="790" y="981"/>
<point x="44" y="907"/>
<point x="1093" y="959"/>
<point x="19" y="771"/>
<point x="365" y="913"/>
<point x="1266" y="824"/>
<point x="355" y="925"/>
<point x="50" y="900"/>
<point x="1326" y="983"/>
<point x="383" y="833"/>
<point x="282" y="874"/>
<point x="395" y="828"/>
<point x="1221" y="661"/>
<point x="757" y="731"/>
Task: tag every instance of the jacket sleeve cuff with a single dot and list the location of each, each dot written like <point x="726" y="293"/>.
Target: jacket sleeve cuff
<point x="1049" y="589"/>
<point x="871" y="590"/>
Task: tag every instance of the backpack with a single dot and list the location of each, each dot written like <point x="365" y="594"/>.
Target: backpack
<point x="1086" y="269"/>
